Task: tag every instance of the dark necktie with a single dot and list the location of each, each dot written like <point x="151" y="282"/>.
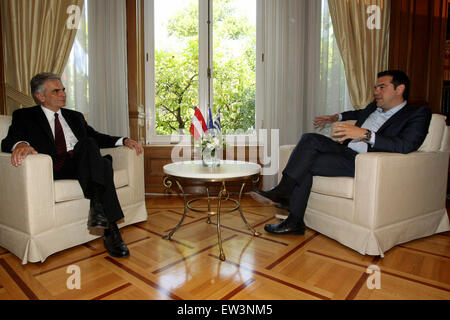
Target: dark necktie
<point x="60" y="142"/>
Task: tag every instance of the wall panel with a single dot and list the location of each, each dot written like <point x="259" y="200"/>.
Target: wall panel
<point x="417" y="41"/>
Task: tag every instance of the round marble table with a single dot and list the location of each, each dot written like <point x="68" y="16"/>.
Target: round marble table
<point x="228" y="170"/>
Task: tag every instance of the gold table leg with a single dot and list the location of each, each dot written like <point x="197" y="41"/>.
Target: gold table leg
<point x="223" y="190"/>
<point x="168" y="184"/>
<point x="222" y="194"/>
<point x="208" y="221"/>
<point x="255" y="233"/>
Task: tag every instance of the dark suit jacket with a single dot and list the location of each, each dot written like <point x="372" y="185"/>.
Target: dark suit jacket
<point x="31" y="125"/>
<point x="404" y="132"/>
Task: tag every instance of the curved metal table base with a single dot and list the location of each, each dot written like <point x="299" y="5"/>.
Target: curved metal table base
<point x="222" y="196"/>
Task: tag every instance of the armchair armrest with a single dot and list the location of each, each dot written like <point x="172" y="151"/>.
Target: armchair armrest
<point x="393" y="187"/>
<point x="27" y="194"/>
<point x="285" y="153"/>
<point x="125" y="158"/>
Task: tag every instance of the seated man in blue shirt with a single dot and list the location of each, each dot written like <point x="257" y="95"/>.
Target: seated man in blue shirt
<point x="388" y="124"/>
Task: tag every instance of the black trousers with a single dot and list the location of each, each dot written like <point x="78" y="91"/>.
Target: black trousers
<point x="95" y="173"/>
<point x="315" y="155"/>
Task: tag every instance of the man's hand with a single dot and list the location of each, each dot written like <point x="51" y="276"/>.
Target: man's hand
<point x="21" y="151"/>
<point x="321" y="121"/>
<point x="343" y="131"/>
<point x="134" y="145"/>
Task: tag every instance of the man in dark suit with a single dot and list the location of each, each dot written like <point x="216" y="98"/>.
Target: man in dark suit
<point x="386" y="125"/>
<point x="75" y="150"/>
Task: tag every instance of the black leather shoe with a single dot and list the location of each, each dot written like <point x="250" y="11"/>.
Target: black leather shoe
<point x="286" y="227"/>
<point x="273" y="196"/>
<point x="114" y="244"/>
<point x="97" y="217"/>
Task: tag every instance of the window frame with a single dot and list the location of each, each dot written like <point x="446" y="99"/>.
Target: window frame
<point x="205" y="90"/>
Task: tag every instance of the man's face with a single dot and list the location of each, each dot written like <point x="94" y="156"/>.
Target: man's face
<point x="54" y="96"/>
<point x="386" y="96"/>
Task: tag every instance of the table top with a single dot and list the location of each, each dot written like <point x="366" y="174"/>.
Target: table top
<point x="227" y="170"/>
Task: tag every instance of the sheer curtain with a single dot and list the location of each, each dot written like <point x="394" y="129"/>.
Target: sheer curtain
<point x="291" y="72"/>
<point x="303" y="70"/>
<point x="76" y="74"/>
<point x="108" y="86"/>
<point x="334" y="97"/>
<point x="292" y="52"/>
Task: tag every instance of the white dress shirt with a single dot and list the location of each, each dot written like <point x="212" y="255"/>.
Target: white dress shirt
<point x="71" y="140"/>
<point x="374" y="122"/>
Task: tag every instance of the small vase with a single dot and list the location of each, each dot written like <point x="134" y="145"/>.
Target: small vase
<point x="210" y="158"/>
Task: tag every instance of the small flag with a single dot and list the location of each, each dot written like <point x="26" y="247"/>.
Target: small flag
<point x="217" y="124"/>
<point x="210" y="119"/>
<point x="198" y="126"/>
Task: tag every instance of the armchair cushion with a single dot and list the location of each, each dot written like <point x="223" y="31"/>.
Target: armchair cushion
<point x="435" y="135"/>
<point x="5" y="121"/>
<point x="67" y="190"/>
<point x="445" y="146"/>
<point x="333" y="186"/>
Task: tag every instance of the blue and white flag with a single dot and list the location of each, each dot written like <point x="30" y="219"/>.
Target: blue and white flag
<point x="214" y="126"/>
<point x="217" y="124"/>
<point x="210" y="119"/>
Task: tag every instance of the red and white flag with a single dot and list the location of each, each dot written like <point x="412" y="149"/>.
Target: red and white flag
<point x="198" y="126"/>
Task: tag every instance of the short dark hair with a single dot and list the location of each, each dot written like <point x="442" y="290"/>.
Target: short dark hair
<point x="398" y="77"/>
<point x="38" y="81"/>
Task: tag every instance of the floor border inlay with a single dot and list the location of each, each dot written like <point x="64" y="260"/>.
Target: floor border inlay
<point x="20" y="283"/>
<point x="291" y="252"/>
<point x="291" y="285"/>
<point x="143" y="279"/>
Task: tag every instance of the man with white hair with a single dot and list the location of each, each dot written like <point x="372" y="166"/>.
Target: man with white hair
<point x="74" y="146"/>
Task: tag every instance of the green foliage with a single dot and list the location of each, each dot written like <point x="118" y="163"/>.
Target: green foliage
<point x="233" y="74"/>
<point x="176" y="89"/>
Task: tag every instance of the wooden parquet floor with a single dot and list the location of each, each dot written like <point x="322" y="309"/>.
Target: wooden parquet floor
<point x="311" y="267"/>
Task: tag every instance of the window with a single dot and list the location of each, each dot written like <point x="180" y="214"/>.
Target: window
<point x="176" y="65"/>
<point x="76" y="74"/>
<point x="234" y="64"/>
<point x="191" y="63"/>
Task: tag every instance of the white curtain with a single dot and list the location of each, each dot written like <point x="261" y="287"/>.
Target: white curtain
<point x="76" y="73"/>
<point x="291" y="71"/>
<point x="304" y="73"/>
<point x="334" y="95"/>
<point x="108" y="87"/>
<point x="292" y="61"/>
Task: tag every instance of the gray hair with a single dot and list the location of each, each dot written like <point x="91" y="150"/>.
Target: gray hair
<point x="38" y="81"/>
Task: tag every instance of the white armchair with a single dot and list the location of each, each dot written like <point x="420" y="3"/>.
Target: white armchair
<point x="39" y="216"/>
<point x="394" y="198"/>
